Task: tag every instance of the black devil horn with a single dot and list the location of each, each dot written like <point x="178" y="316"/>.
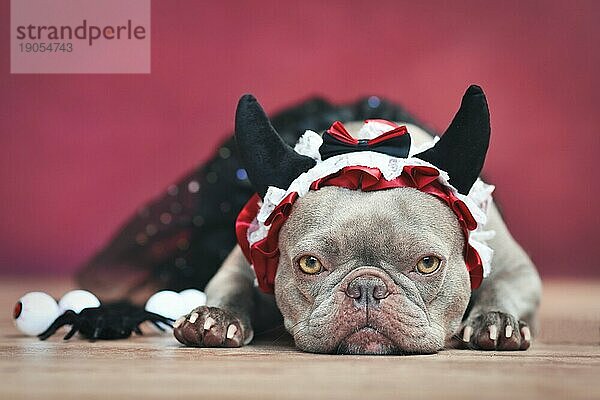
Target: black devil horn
<point x="268" y="160"/>
<point x="461" y="150"/>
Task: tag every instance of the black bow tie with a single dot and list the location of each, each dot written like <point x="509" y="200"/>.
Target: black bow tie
<point x="336" y="141"/>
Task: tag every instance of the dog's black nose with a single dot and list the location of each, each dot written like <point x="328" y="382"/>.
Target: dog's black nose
<point x="367" y="290"/>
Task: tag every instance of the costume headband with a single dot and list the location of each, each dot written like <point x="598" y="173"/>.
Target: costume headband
<point x="380" y="159"/>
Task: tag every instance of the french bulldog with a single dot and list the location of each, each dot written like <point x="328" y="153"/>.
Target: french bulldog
<point x="372" y="272"/>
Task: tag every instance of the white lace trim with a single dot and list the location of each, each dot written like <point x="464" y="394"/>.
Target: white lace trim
<point x="308" y="145"/>
<point x="478" y="200"/>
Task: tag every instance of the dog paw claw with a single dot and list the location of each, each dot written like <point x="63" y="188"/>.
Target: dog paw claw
<point x="193" y="317"/>
<point x="209" y="323"/>
<point x="231" y="331"/>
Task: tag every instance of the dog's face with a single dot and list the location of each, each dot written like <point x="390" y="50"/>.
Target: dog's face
<point x="370" y="272"/>
<point x="381" y="272"/>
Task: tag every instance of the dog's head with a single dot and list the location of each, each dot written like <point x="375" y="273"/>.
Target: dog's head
<point x="370" y="272"/>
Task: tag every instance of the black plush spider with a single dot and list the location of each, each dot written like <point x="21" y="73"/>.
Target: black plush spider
<point x="110" y="321"/>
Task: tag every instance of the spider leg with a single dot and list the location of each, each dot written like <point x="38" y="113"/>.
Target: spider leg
<point x="156" y="324"/>
<point x="158" y="318"/>
<point x="73" y="331"/>
<point x="68" y="318"/>
<point x="154" y="319"/>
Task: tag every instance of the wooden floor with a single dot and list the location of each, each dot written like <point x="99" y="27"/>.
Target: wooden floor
<point x="563" y="364"/>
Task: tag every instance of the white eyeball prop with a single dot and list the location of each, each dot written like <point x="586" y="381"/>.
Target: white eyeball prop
<point x="192" y="298"/>
<point x="166" y="303"/>
<point x="77" y="300"/>
<point x="35" y="312"/>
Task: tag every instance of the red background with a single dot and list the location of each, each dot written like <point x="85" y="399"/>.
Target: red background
<point x="81" y="152"/>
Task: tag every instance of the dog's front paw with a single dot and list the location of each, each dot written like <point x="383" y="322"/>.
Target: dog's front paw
<point x="212" y="327"/>
<point x="495" y="331"/>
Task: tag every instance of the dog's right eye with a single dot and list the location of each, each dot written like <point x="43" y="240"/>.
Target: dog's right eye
<point x="428" y="265"/>
<point x="310" y="265"/>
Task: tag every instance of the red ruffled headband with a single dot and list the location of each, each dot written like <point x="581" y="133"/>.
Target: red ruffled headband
<point x="263" y="254"/>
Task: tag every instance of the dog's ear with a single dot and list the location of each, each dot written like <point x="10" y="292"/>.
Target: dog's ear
<point x="268" y="160"/>
<point x="461" y="150"/>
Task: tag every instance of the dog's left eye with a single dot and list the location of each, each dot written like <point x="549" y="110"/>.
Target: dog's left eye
<point x="310" y="265"/>
<point x="428" y="264"/>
